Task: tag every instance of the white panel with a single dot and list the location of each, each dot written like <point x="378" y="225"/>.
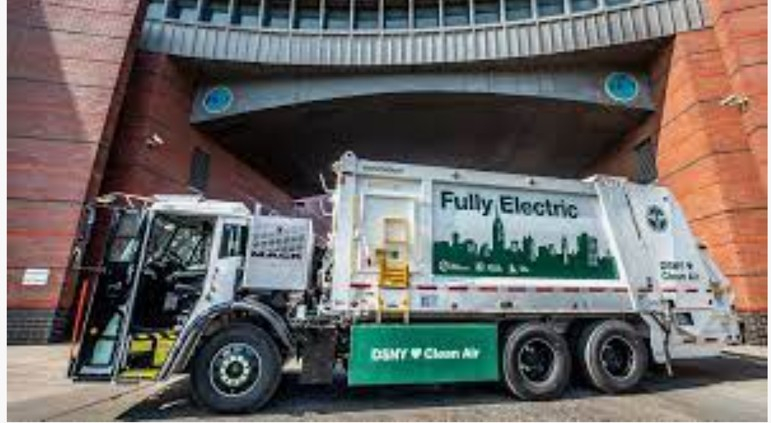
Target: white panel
<point x="568" y="34"/>
<point x="680" y="16"/>
<point x="628" y="25"/>
<point x="280" y="253"/>
<point x="581" y="36"/>
<point x="654" y="21"/>
<point x="615" y="31"/>
<point x="694" y="11"/>
<point x="640" y="24"/>
<point x="665" y="17"/>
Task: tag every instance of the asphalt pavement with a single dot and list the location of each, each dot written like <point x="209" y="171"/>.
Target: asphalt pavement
<point x="730" y="388"/>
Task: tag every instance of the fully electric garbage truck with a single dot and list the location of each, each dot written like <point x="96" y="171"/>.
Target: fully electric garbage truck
<point x="427" y="275"/>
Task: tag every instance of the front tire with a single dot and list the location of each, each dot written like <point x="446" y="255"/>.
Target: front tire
<point x="613" y="356"/>
<point x="536" y="362"/>
<point x="238" y="370"/>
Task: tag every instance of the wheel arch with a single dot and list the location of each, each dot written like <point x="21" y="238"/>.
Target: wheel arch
<point x="215" y="319"/>
<point x="571" y="326"/>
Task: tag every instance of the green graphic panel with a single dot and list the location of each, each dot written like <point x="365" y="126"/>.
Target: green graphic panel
<point x="483" y="232"/>
<point x="465" y="258"/>
<point x="422" y="353"/>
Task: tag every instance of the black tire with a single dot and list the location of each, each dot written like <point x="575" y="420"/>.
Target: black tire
<point x="237" y="370"/>
<point x="547" y="376"/>
<point x="613" y="356"/>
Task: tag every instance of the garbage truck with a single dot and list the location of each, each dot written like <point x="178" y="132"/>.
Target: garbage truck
<point x="426" y="275"/>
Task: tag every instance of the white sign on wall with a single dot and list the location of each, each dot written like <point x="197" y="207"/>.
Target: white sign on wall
<point x="33" y="276"/>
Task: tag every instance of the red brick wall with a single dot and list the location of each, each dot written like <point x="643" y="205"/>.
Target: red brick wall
<point x="158" y="102"/>
<point x="741" y="31"/>
<point x="67" y="61"/>
<point x="707" y="158"/>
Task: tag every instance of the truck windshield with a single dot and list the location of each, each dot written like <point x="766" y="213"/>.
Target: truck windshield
<point x="185" y="240"/>
<point x="187" y="244"/>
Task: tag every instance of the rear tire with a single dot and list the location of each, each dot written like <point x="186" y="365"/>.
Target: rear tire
<point x="536" y="362"/>
<point x="613" y="356"/>
<point x="238" y="370"/>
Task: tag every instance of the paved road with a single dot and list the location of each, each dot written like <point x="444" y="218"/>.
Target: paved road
<point x="723" y="389"/>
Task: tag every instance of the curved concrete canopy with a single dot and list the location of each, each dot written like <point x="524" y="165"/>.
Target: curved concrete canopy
<point x="628" y="22"/>
<point x="259" y="94"/>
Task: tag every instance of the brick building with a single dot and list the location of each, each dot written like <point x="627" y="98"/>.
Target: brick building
<point x="249" y="100"/>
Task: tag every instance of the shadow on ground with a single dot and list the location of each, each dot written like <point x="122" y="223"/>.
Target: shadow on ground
<point x="294" y="400"/>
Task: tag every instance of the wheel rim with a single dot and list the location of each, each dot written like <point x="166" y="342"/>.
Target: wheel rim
<point x="235" y="369"/>
<point x="617" y="357"/>
<point x="536" y="360"/>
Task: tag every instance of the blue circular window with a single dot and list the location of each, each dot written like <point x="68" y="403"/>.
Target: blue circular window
<point x="622" y="87"/>
<point x="218" y="100"/>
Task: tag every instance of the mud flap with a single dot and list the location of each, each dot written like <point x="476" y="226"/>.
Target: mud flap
<point x="318" y="357"/>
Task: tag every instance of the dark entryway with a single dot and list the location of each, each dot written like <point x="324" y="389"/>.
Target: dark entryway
<point x="292" y="145"/>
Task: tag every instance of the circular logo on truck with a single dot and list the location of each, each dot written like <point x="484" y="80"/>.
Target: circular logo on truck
<point x="622" y="87"/>
<point x="656" y="218"/>
<point x="218" y="100"/>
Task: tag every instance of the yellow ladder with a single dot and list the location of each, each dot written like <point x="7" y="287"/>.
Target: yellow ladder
<point x="394" y="265"/>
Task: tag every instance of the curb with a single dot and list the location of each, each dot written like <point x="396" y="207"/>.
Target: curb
<point x="746" y="355"/>
<point x="65" y="405"/>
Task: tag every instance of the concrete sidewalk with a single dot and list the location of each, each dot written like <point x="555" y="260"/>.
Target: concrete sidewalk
<point x="757" y="352"/>
<point x="38" y="388"/>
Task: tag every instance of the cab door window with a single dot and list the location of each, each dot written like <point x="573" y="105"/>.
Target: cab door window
<point x="233" y="241"/>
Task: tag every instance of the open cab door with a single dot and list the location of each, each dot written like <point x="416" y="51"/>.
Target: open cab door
<point x="161" y="266"/>
<point x="102" y="342"/>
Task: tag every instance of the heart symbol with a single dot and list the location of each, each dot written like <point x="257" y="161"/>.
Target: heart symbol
<point x="416" y="352"/>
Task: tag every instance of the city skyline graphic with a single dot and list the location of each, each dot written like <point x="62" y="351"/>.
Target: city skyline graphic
<point x="523" y="257"/>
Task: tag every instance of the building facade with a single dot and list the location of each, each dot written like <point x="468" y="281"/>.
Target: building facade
<point x="249" y="100"/>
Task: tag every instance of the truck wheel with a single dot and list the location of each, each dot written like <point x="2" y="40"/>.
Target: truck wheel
<point x="238" y="370"/>
<point x="536" y="362"/>
<point x="613" y="356"/>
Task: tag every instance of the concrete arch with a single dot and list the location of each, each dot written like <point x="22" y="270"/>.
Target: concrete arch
<point x="253" y="95"/>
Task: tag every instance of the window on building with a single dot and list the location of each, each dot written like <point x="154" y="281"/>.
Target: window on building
<point x="216" y="11"/>
<point x="199" y="170"/>
<point x="308" y="15"/>
<point x="611" y="3"/>
<point x="184" y="10"/>
<point x="367" y="14"/>
<point x="338" y="15"/>
<point x="456" y="12"/>
<point x="156" y="9"/>
<point x="397" y="14"/>
<point x="517" y="10"/>
<point x="487" y="11"/>
<point x="426" y="14"/>
<point x="583" y="5"/>
<point x="247" y="13"/>
<point x="645" y="160"/>
<point x="550" y="7"/>
<point x="276" y="14"/>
